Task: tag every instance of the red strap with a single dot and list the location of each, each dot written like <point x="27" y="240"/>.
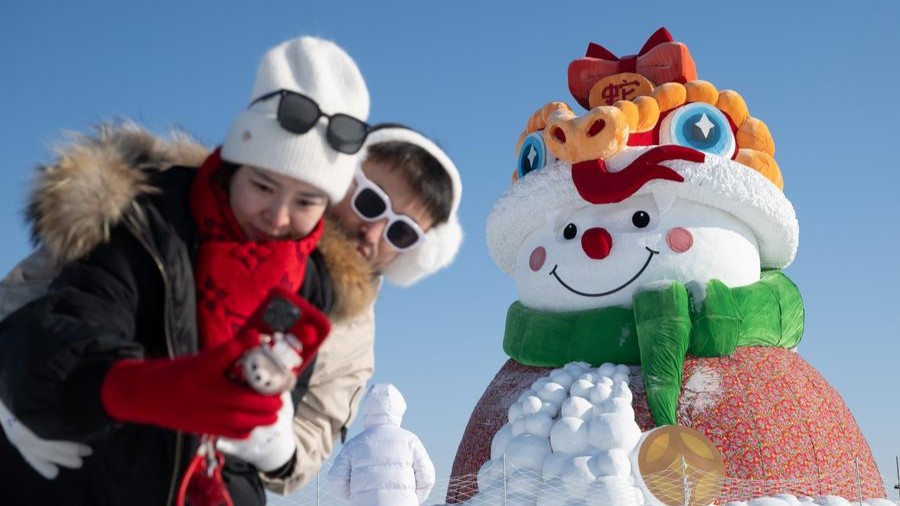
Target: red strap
<point x="201" y="485"/>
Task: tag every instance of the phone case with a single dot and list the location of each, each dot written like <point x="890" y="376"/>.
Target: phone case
<point x="291" y="331"/>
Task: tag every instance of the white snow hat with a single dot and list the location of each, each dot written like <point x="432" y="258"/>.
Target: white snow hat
<point x="384" y="405"/>
<point x="717" y="182"/>
<point x="442" y="242"/>
<point x="322" y="71"/>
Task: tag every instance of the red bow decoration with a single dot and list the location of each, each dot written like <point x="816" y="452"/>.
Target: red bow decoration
<point x="661" y="60"/>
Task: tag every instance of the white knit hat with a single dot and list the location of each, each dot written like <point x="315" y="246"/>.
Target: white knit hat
<point x="442" y="241"/>
<point x="322" y="71"/>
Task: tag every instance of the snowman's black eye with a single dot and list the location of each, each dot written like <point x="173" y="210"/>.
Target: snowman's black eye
<point x="570" y="231"/>
<point x="640" y="219"/>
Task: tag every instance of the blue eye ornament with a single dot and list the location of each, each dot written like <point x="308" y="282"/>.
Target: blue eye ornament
<point x="533" y="155"/>
<point x="700" y="126"/>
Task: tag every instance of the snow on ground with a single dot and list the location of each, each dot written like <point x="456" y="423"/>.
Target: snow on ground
<point x="572" y="440"/>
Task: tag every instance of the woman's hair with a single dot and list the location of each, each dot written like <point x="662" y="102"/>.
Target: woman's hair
<point x="422" y="171"/>
<point x="226" y="171"/>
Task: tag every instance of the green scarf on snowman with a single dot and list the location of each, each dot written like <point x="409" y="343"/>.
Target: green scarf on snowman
<point x="663" y="326"/>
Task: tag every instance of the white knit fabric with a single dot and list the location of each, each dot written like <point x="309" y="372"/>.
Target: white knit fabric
<point x="322" y="71"/>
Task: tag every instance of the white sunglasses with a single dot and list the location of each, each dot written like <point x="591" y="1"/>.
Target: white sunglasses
<point x="371" y="203"/>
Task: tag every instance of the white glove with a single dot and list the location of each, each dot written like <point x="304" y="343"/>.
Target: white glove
<point x="43" y="455"/>
<point x="268" y="447"/>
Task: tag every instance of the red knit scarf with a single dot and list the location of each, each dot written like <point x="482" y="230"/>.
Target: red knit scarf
<point x="233" y="275"/>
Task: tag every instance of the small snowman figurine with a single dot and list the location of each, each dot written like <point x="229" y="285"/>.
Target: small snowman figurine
<point x="651" y="231"/>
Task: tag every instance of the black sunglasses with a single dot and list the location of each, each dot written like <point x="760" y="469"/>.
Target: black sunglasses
<point x="298" y="113"/>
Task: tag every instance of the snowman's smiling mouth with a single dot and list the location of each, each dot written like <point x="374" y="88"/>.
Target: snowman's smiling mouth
<point x="614" y="290"/>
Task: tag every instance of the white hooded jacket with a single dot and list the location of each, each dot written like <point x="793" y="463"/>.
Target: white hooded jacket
<point x="385" y="465"/>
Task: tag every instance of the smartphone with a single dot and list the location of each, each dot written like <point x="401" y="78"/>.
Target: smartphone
<point x="291" y="330"/>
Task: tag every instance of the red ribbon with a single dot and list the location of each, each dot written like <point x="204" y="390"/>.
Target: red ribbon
<point x="661" y="60"/>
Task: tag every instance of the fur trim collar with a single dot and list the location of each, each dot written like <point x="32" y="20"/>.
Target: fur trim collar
<point x="76" y="201"/>
<point x="355" y="285"/>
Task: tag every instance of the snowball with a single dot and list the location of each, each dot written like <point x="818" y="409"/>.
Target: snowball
<point x="605" y="380"/>
<point x="526" y="394"/>
<point x="531" y="405"/>
<point x="791" y="500"/>
<point x="620" y="405"/>
<point x="539" y="424"/>
<point x="591" y="376"/>
<point x="600" y="393"/>
<point x="577" y="470"/>
<point x="607" y="369"/>
<point x="515" y="411"/>
<point x="613" y="430"/>
<point x="527" y="451"/>
<point x="831" y="500"/>
<point x="581" y="388"/>
<point x="736" y="503"/>
<point x="577" y="407"/>
<point x="569" y="435"/>
<point x="576" y="369"/>
<point x="618" y="377"/>
<point x="621" y="390"/>
<point x="518" y="427"/>
<point x="553" y="392"/>
<point x="550" y="408"/>
<point x="623" y="369"/>
<point x="554" y="464"/>
<point x="767" y="501"/>
<point x="501" y="441"/>
<point x="490" y="473"/>
<point x="561" y="377"/>
<point x="539" y="383"/>
<point x="613" y="462"/>
<point x="523" y="482"/>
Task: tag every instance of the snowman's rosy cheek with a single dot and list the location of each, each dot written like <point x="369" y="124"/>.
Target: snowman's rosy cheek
<point x="537" y="258"/>
<point x="679" y="239"/>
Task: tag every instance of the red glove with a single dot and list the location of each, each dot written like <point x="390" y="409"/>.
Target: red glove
<point x="190" y="394"/>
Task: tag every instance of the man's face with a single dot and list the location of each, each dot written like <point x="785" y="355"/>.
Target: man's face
<point x="369" y="235"/>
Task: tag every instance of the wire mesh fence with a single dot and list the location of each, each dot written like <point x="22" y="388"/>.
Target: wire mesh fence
<point x="509" y="486"/>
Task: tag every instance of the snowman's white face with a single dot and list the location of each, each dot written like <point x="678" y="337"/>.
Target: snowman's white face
<point x="599" y="255"/>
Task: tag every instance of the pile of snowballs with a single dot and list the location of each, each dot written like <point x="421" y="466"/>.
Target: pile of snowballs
<point x="570" y="437"/>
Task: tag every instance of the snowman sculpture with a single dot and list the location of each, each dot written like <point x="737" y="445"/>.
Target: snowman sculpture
<point x="650" y="232"/>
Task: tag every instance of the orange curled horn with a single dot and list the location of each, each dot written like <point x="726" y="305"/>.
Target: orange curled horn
<point x="538" y="120"/>
<point x="661" y="60"/>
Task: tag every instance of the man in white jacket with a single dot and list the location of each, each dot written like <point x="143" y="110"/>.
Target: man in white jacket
<point x="385" y="465"/>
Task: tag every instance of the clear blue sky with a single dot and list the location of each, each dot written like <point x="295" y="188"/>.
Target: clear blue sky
<point x="822" y="75"/>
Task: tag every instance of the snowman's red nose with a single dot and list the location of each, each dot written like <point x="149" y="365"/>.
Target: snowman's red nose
<point x="596" y="243"/>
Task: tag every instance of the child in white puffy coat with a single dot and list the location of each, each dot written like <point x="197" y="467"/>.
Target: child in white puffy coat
<point x="385" y="465"/>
